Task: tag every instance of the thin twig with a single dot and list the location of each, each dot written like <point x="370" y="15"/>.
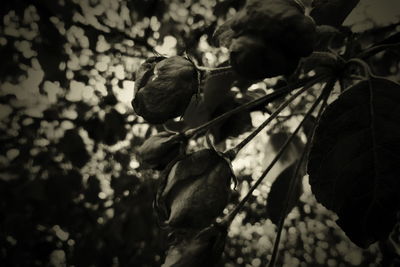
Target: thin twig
<point x="234" y="151"/>
<point x="376" y="49"/>
<point x="225" y="68"/>
<point x="367" y="70"/>
<point x="264" y="99"/>
<point x="392" y="41"/>
<point x="323" y="97"/>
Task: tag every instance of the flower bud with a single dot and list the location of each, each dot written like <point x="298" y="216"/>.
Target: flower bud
<point x="283" y="32"/>
<point x="205" y="249"/>
<point x="164" y="87"/>
<point x="159" y="150"/>
<point x="195" y="191"/>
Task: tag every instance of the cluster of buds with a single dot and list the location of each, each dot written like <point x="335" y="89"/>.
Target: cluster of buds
<point x="266" y="38"/>
<point x="194" y="191"/>
<point x="269" y="37"/>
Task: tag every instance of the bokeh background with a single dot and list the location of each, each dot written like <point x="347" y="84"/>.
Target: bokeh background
<point x="72" y="191"/>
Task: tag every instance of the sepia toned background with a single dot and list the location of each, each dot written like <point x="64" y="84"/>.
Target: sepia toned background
<point x="72" y="191"/>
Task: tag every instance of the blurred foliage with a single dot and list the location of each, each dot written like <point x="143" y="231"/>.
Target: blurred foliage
<point x="72" y="190"/>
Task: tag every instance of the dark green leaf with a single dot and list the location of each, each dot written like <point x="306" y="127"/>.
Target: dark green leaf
<point x="354" y="163"/>
<point x="279" y="191"/>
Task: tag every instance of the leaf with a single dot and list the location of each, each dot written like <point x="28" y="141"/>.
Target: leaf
<point x="223" y="34"/>
<point x="216" y="87"/>
<point x="195" y="190"/>
<point x="278" y="139"/>
<point x="332" y="12"/>
<point x="390" y="248"/>
<point x="308" y="125"/>
<point x="234" y="125"/>
<point x="175" y="126"/>
<point x="354" y="163"/>
<point x="279" y="191"/>
<point x="217" y="98"/>
<point x="196" y="113"/>
<point x="159" y="150"/>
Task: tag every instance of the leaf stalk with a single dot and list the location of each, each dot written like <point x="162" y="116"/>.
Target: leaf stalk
<point x="323" y="97"/>
<point x="264" y="99"/>
<point x="234" y="151"/>
<point x="325" y="93"/>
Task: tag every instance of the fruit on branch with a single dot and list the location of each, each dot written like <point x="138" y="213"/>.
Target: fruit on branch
<point x="204" y="249"/>
<point x="160" y="149"/>
<point x="164" y="87"/>
<point x="195" y="190"/>
<point x="270" y="38"/>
